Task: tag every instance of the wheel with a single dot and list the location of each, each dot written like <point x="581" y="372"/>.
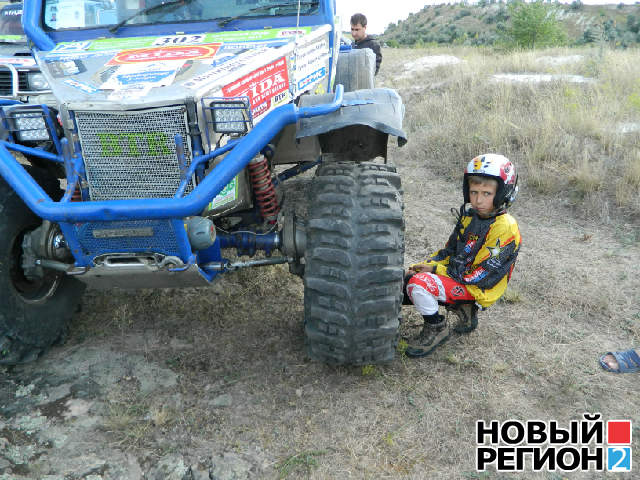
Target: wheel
<point x="355" y="69"/>
<point x="354" y="264"/>
<point x="33" y="314"/>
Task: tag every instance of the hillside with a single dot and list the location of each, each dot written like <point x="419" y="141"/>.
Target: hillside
<point x="483" y="24"/>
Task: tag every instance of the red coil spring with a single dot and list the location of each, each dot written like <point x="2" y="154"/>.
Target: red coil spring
<point x="264" y="190"/>
<point x="77" y="195"/>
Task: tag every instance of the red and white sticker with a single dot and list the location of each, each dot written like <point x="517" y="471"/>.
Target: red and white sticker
<point x="261" y="86"/>
<point x="22" y="61"/>
<point x="169" y="52"/>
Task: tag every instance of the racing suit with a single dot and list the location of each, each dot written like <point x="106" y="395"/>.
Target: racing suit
<point x="475" y="264"/>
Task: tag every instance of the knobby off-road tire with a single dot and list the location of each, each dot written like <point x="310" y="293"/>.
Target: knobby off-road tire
<point x="33" y="314"/>
<point x="354" y="264"/>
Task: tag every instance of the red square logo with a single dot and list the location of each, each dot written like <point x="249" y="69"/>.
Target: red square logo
<point x="619" y="431"/>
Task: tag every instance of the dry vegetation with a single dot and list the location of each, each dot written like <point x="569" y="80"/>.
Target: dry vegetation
<point x="566" y="137"/>
<point x="245" y="386"/>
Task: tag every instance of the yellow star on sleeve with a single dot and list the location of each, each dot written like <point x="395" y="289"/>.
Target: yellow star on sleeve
<point x="495" y="251"/>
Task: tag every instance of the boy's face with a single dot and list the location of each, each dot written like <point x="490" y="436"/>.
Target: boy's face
<point x="358" y="32"/>
<point x="481" y="195"/>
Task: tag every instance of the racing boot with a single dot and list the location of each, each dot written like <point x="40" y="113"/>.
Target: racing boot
<point x="467" y="314"/>
<point x="434" y="332"/>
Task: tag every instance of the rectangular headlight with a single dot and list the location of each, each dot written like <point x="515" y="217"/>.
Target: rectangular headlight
<point x="30" y="126"/>
<point x="36" y="81"/>
<point x="230" y="116"/>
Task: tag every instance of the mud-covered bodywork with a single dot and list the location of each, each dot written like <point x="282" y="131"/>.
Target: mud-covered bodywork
<point x="131" y="96"/>
<point x="269" y="67"/>
<point x="159" y="127"/>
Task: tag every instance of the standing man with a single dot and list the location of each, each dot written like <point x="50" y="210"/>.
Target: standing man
<point x="362" y="40"/>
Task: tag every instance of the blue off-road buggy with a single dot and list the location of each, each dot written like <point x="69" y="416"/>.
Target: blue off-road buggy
<point x="171" y="120"/>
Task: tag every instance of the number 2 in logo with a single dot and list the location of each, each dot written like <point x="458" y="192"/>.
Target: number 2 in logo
<point x="619" y="459"/>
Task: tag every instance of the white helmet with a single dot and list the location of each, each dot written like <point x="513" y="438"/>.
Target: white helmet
<point x="498" y="167"/>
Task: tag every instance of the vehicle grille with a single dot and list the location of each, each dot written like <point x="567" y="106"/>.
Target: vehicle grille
<point x="133" y="154"/>
<point x="6" y="82"/>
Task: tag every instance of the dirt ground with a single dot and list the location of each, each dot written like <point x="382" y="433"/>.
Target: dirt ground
<point x="215" y="384"/>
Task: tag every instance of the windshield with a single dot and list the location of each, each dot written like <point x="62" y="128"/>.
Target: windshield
<point x="10" y="26"/>
<point x="79" y="14"/>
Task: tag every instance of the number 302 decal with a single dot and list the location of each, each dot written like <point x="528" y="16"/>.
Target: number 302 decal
<point x="179" y="40"/>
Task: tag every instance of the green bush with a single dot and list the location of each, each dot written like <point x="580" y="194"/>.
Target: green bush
<point x="534" y="25"/>
<point x="461" y="14"/>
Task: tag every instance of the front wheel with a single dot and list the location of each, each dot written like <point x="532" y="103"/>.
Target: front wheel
<point x="33" y="313"/>
<point x="354" y="264"/>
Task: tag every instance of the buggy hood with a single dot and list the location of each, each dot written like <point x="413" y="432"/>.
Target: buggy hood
<point x="268" y="67"/>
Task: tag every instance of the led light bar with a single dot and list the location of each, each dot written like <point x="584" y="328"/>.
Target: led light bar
<point x="231" y="116"/>
<point x="30" y="125"/>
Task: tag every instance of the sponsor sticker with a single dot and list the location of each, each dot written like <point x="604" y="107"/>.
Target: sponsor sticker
<point x="85" y="87"/>
<point x="132" y="92"/>
<point x="261" y="86"/>
<point x="71" y="47"/>
<point x="128" y="43"/>
<point x="21" y="61"/>
<point x="12" y="13"/>
<point x="227" y="195"/>
<point x="476" y="275"/>
<point x="257" y="35"/>
<point x="12" y="38"/>
<point x="310" y="58"/>
<point x="292" y="32"/>
<point x="225" y="68"/>
<point x="219" y="59"/>
<point x="169" y="52"/>
<point x="154" y="74"/>
<point x="65" y="68"/>
<point x="309" y="80"/>
<point x="238" y="47"/>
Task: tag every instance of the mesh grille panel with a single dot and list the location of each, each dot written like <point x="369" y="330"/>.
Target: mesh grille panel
<point x="160" y="239"/>
<point x="133" y="154"/>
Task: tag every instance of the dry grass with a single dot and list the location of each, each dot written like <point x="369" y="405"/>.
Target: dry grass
<point x="565" y="136"/>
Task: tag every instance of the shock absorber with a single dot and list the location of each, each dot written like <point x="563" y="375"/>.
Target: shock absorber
<point x="263" y="189"/>
<point x="77" y="194"/>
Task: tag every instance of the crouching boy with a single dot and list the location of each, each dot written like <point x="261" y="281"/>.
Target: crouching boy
<point x="473" y="268"/>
